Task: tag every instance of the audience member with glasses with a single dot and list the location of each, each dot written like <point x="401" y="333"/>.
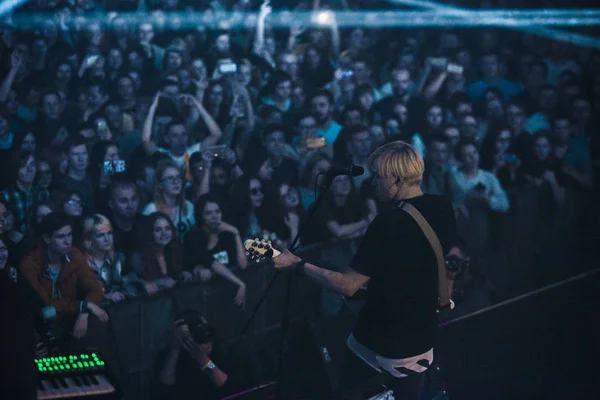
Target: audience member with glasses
<point x="255" y="212"/>
<point x="168" y="197"/>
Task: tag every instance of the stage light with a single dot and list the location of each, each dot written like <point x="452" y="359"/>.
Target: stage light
<point x="324" y="18"/>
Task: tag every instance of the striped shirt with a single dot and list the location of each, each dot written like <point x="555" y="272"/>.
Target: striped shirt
<point x="398" y="368"/>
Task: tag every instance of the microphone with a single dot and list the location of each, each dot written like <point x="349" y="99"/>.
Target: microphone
<point x="355" y="170"/>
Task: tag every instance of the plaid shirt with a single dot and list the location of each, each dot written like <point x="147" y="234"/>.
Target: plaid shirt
<point x="22" y="205"/>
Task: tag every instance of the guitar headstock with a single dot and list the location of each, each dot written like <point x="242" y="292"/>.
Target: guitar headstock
<point x="258" y="249"/>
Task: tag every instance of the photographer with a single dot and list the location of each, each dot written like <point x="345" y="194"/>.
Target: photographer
<point x="188" y="366"/>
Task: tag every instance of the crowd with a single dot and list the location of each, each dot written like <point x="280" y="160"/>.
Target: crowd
<point x="136" y="155"/>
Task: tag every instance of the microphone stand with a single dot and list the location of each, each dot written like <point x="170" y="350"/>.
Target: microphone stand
<point x="285" y="317"/>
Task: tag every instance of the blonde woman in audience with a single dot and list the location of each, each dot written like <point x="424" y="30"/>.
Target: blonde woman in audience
<point x="99" y="248"/>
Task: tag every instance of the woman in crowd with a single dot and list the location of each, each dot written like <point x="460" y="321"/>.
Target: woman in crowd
<point x="364" y="98"/>
<point x="343" y="214"/>
<point x="496" y="158"/>
<point x="215" y="246"/>
<point x="254" y="212"/>
<point x="294" y="212"/>
<point x="217" y="103"/>
<point x="158" y="261"/>
<point x="220" y="239"/>
<point x="25" y="141"/>
<point x="545" y="171"/>
<point x="99" y="248"/>
<point x="169" y="198"/>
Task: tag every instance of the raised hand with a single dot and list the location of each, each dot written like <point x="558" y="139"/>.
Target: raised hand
<point x="265" y="9"/>
<point x="16" y="60"/>
<point x="266" y="171"/>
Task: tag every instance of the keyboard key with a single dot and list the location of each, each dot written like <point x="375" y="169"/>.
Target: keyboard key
<point x="77" y="381"/>
<point x="53" y="382"/>
<point x="85" y="380"/>
<point x="93" y="379"/>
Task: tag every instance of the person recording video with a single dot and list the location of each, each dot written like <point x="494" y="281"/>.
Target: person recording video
<point x="188" y="367"/>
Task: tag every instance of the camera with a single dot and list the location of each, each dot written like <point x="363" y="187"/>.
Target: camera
<point x="456" y="264"/>
<point x="200" y="329"/>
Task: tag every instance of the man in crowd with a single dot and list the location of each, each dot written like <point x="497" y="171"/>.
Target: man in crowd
<point x="59" y="275"/>
<point x="77" y="179"/>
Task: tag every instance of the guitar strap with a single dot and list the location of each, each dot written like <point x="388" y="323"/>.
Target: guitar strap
<point x="443" y="289"/>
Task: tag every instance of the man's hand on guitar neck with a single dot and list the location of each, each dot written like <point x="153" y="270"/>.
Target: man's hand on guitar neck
<point x="285" y="260"/>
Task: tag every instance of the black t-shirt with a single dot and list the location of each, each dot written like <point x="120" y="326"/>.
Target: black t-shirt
<point x="353" y="210"/>
<point x="197" y="252"/>
<point x="399" y="317"/>
<point x="126" y="242"/>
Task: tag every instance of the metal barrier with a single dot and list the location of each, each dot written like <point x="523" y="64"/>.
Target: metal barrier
<point x="139" y="327"/>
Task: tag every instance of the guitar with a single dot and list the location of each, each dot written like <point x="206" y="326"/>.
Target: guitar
<point x="260" y="249"/>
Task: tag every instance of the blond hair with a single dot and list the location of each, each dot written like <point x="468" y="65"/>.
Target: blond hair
<point x="398" y="160"/>
<point x="89" y="226"/>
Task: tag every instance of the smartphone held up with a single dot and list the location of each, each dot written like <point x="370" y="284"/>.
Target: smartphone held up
<point x="114" y="167"/>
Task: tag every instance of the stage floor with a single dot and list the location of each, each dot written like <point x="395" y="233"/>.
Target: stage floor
<point x="543" y="346"/>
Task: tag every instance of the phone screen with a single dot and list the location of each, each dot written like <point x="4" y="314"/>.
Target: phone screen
<point x="315" y="143"/>
<point x="119" y="166"/>
<point x="108" y="167"/>
<point x="91" y="60"/>
<point x="455" y="69"/>
<point x="217" y="151"/>
<point x="227" y="68"/>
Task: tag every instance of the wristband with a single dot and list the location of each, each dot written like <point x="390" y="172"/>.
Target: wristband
<point x="450" y="305"/>
<point x="209" y="365"/>
<point x="298" y="268"/>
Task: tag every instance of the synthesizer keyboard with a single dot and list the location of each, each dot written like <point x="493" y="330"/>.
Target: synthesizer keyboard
<point x="81" y="376"/>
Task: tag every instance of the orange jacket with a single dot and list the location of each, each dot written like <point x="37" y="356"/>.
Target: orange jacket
<point x="76" y="279"/>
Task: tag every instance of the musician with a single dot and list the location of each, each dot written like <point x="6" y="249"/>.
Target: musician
<point x="60" y="277"/>
<point x="394" y="333"/>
